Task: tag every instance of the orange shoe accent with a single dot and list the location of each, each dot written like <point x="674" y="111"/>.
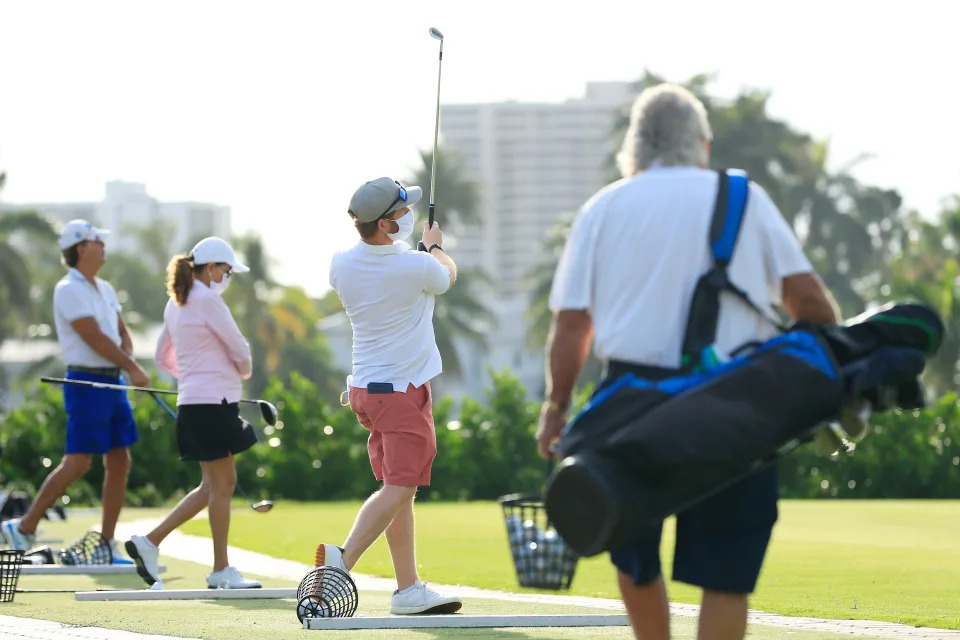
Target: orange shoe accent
<point x="319" y="556"/>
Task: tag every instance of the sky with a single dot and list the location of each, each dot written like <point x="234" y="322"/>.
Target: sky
<point x="281" y="109"/>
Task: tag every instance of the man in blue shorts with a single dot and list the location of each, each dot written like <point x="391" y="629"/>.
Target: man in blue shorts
<point x="624" y="284"/>
<point x="96" y="347"/>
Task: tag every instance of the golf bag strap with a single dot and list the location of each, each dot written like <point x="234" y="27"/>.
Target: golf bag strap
<point x="733" y="189"/>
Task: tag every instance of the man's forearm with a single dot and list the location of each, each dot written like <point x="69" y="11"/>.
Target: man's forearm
<point x="107" y="348"/>
<point x="126" y="343"/>
<point x="442" y="257"/>
<point x="568" y="346"/>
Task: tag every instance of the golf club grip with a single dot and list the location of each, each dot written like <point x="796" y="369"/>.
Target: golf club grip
<point x="420" y="245"/>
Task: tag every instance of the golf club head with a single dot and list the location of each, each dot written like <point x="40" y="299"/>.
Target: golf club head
<point x="268" y="412"/>
<point x="435" y="33"/>
<point x="263" y="506"/>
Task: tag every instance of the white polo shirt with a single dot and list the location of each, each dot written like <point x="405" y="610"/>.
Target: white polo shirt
<point x="74" y="298"/>
<point x="637" y="249"/>
<point x="388" y="292"/>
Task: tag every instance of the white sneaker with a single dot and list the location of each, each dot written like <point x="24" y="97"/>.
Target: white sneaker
<point x="15" y="538"/>
<point x="422" y="599"/>
<point x="230" y="578"/>
<point x="117" y="556"/>
<point x="145" y="554"/>
<point x="329" y="555"/>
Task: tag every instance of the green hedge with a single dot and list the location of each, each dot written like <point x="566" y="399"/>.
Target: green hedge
<point x="318" y="451"/>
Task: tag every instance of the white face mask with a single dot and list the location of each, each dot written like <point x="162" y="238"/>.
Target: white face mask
<point x="220" y="287"/>
<point x="405" y="223"/>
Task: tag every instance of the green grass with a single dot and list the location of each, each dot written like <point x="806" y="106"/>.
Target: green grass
<point x="895" y="561"/>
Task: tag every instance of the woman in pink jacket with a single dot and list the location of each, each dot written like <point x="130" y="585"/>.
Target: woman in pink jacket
<point x="203" y="348"/>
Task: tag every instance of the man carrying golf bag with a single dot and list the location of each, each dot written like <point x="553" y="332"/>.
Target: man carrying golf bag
<point x="626" y="283"/>
<point x="96" y="347"/>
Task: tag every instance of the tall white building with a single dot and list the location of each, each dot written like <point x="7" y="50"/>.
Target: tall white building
<point x="127" y="208"/>
<point x="535" y="163"/>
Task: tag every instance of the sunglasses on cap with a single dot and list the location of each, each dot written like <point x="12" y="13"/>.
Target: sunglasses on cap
<point x="401" y="197"/>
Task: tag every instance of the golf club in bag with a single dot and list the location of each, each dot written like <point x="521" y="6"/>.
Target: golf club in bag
<point x="267" y="411"/>
<point x="434" y="33"/>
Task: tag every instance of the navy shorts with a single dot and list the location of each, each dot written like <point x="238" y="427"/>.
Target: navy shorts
<point x="98" y="420"/>
<point x="721" y="541"/>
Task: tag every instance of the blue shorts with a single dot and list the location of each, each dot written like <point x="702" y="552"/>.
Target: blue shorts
<point x="721" y="541"/>
<point x="98" y="420"/>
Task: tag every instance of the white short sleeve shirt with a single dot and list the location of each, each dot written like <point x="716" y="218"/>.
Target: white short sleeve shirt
<point x="637" y="249"/>
<point x="389" y="293"/>
<point x="74" y="298"/>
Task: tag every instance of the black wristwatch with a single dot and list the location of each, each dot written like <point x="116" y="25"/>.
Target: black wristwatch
<point x="434" y="246"/>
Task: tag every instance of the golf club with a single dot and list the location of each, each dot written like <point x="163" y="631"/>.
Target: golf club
<point x="261" y="507"/>
<point x="434" y="33"/>
<point x="267" y="411"/>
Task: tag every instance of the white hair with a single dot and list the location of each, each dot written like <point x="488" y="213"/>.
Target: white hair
<point x="668" y="125"/>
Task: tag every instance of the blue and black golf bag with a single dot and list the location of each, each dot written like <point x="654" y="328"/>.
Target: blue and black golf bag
<point x="646" y="447"/>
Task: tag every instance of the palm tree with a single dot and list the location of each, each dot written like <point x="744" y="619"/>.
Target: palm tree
<point x="459" y="197"/>
<point x="926" y="269"/>
<point x="848" y="230"/>
<point x="459" y="313"/>
<point x="17" y="304"/>
<point x="250" y="299"/>
<point x="541" y="279"/>
<point x="538" y="308"/>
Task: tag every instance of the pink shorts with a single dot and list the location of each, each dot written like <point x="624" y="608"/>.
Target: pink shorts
<point x="402" y="442"/>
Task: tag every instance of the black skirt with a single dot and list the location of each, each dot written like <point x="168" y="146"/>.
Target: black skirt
<point x="208" y="432"/>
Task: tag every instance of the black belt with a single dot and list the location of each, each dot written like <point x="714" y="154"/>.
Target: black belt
<point x="616" y="368"/>
<point x="112" y="372"/>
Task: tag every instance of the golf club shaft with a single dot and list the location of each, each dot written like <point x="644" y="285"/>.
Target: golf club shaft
<point x="174" y="416"/>
<point x="119" y="387"/>
<point x="244" y="495"/>
<point x="436" y="132"/>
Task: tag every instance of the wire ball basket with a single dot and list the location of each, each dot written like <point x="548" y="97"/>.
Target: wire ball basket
<point x="326" y="592"/>
<point x="92" y="548"/>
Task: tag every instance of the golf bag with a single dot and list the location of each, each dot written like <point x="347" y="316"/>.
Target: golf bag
<point x="647" y="447"/>
<point x="14" y="504"/>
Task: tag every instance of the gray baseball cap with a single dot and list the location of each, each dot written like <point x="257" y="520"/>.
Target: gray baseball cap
<point x="381" y="196"/>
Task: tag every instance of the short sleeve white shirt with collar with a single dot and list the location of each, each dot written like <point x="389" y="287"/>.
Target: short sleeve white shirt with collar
<point x="75" y="297"/>
<point x="637" y="249"/>
<point x="389" y="293"/>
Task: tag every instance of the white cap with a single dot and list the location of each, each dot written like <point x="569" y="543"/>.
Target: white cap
<point x="77" y="231"/>
<point x="214" y="249"/>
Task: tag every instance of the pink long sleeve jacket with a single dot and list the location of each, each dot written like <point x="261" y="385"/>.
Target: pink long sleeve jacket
<point x="201" y="345"/>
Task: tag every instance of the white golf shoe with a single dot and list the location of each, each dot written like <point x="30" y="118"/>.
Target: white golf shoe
<point x="230" y="578"/>
<point x="117" y="556"/>
<point x="422" y="599"/>
<point x="329" y="555"/>
<point x="15" y="538"/>
<point x="145" y="555"/>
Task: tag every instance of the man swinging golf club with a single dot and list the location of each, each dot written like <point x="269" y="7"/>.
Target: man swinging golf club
<point x="388" y="291"/>
<point x="201" y="346"/>
<point x="96" y="347"/>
